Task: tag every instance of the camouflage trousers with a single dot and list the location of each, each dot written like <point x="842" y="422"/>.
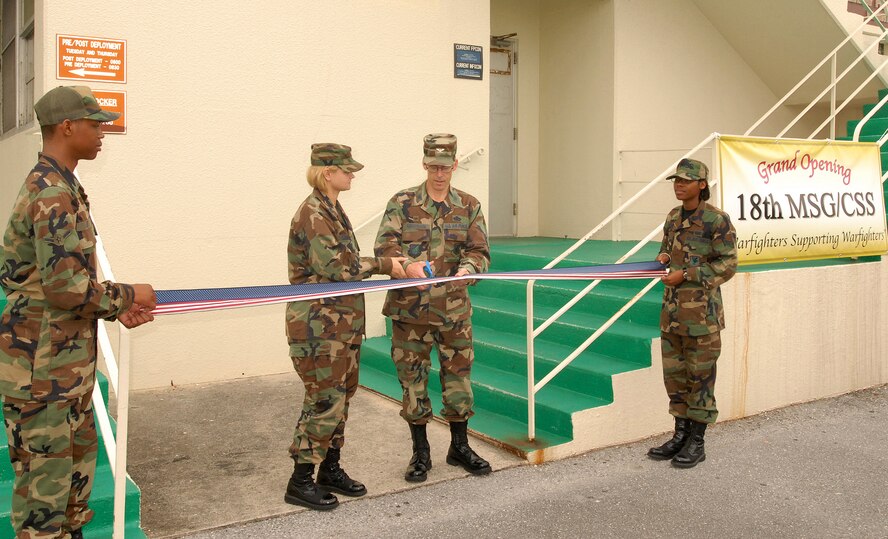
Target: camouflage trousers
<point x="53" y="448"/>
<point x="411" y="352"/>
<point x="689" y="374"/>
<point x="330" y="382"/>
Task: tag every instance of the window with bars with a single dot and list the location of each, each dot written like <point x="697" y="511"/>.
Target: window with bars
<point x="16" y="63"/>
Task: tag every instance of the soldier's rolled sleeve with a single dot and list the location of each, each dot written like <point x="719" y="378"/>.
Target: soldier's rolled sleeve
<point x="476" y="255"/>
<point x="723" y="264"/>
<point x="66" y="276"/>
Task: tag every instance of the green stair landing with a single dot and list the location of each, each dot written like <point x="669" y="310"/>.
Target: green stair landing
<point x="499" y="374"/>
<point x="101" y="500"/>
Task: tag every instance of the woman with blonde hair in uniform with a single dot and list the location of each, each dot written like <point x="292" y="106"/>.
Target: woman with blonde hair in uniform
<point x="325" y="334"/>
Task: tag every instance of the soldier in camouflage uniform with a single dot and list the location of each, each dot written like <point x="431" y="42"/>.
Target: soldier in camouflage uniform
<point x="437" y="224"/>
<point x="48" y="329"/>
<point x="699" y="248"/>
<point x="325" y="334"/>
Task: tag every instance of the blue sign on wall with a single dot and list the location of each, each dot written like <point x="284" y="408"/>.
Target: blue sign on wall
<point x="468" y="61"/>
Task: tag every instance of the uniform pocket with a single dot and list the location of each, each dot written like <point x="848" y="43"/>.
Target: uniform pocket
<point x="65" y="360"/>
<point x="415" y="240"/>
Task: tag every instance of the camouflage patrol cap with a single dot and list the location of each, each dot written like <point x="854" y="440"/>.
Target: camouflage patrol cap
<point x="334" y="155"/>
<point x="690" y="169"/>
<point x="70" y="103"/>
<point x="439" y="149"/>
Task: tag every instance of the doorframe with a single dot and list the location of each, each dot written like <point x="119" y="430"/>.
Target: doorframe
<point x="513" y="51"/>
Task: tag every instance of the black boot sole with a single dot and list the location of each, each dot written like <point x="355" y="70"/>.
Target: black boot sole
<point x="293" y="500"/>
<point x="337" y="490"/>
<point x="479" y="471"/>
<point x="416" y="478"/>
<point x="654" y="456"/>
<point x="685" y="465"/>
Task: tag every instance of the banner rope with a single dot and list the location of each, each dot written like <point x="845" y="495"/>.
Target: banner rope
<point x="214" y="299"/>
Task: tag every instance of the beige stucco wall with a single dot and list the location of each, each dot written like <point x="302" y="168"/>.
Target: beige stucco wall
<point x="576" y="115"/>
<point x="224" y="100"/>
<point x="673" y="89"/>
<point x="523" y="17"/>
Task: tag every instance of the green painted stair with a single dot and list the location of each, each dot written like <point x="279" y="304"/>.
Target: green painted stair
<point x="101" y="500"/>
<point x="499" y="375"/>
<point x="873" y="131"/>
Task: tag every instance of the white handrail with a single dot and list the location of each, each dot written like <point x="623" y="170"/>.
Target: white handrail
<point x="840" y="108"/>
<point x="869" y="115"/>
<point x="113" y="445"/>
<point x="532" y="332"/>
<point x="813" y="70"/>
<point x="828" y="88"/>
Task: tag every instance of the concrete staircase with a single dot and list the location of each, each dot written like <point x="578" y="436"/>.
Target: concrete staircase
<point x="873" y="131"/>
<point x="101" y="501"/>
<point x="499" y="375"/>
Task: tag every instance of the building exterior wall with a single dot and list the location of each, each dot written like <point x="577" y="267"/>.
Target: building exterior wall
<point x="677" y="81"/>
<point x="577" y="115"/>
<point x="224" y="101"/>
<point x="523" y="17"/>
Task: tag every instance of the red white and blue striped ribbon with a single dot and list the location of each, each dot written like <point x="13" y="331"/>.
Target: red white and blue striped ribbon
<point x="212" y="299"/>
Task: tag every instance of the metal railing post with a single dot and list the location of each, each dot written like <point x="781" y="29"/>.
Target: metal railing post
<point x="832" y="99"/>
<point x="531" y="393"/>
<point x="122" y="426"/>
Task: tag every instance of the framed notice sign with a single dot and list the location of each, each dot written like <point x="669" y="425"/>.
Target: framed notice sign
<point x="802" y="199"/>
<point x="468" y="61"/>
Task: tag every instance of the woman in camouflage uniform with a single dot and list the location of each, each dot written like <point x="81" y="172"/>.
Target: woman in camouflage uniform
<point x="325" y="334"/>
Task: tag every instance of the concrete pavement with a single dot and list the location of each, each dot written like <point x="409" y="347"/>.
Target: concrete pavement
<point x="818" y="469"/>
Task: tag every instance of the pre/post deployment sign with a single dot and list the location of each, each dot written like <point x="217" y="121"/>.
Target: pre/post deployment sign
<point x="800" y="199"/>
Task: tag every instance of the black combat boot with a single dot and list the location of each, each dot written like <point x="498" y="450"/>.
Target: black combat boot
<point x="421" y="461"/>
<point x="460" y="454"/>
<point x="302" y="490"/>
<point x="332" y="477"/>
<point x="673" y="446"/>
<point x="692" y="452"/>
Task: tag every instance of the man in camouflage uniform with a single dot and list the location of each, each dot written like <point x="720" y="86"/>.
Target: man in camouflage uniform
<point x="699" y="248"/>
<point x="436" y="224"/>
<point x="48" y="329"/>
<point x="325" y="334"/>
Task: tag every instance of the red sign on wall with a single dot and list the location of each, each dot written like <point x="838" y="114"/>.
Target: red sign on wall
<point x="90" y="58"/>
<point x="113" y="101"/>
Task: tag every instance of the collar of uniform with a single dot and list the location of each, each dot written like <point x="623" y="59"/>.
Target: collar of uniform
<point x="695" y="217"/>
<point x="425" y="201"/>
<point x="66" y="174"/>
<point x="335" y="209"/>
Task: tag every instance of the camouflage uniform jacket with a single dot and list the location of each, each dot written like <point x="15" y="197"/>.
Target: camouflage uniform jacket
<point x="322" y="249"/>
<point x="48" y="329"/>
<point x="704" y="246"/>
<point x="451" y="238"/>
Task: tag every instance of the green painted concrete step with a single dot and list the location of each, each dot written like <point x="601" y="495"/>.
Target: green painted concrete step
<point x="605" y="299"/>
<point x="497" y="394"/>
<point x="875" y="126"/>
<point x="589" y="373"/>
<point x="504" y="393"/>
<point x="378" y="374"/>
<point x="863" y="138"/>
<point x="882" y="113"/>
<point x="621" y="339"/>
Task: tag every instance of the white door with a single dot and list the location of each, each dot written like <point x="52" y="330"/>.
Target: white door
<point x="502" y="212"/>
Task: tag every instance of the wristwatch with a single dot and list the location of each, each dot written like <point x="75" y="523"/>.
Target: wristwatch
<point x="685" y="275"/>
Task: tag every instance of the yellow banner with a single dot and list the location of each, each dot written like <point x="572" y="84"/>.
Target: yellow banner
<point x="801" y="199"/>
